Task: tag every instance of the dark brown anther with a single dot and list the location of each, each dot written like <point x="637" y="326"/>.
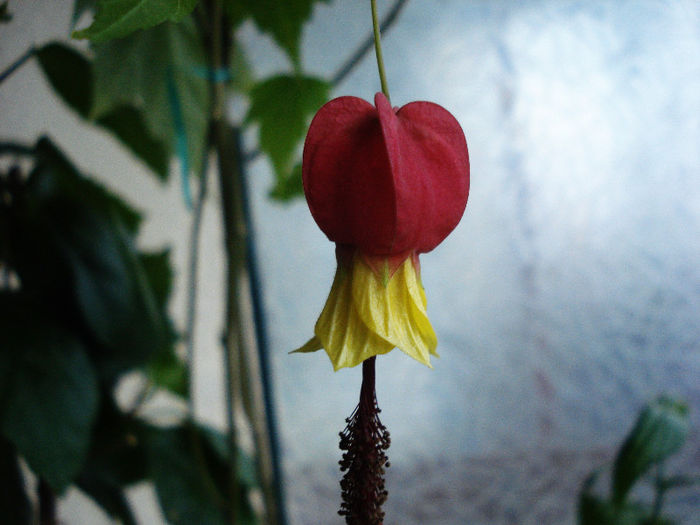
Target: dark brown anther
<point x="365" y="441"/>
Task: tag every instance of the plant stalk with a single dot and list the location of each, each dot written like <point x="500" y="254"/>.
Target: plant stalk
<point x="378" y="49"/>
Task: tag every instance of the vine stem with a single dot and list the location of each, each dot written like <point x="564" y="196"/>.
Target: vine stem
<point x="19" y="62"/>
<point x="219" y="44"/>
<point x="378" y="49"/>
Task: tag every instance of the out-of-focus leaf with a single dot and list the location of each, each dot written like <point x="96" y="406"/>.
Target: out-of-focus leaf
<point x="659" y="432"/>
<point x="282" y="20"/>
<point x="119" y="18"/>
<point x="186" y="490"/>
<point x="288" y="187"/>
<point x="110" y="497"/>
<point x="5" y="16"/>
<point x="129" y="125"/>
<point x="596" y="511"/>
<point x="69" y="73"/>
<point x="135" y="72"/>
<point x="242" y="79"/>
<point x="170" y="372"/>
<point x="51" y="398"/>
<point x="217" y="444"/>
<point x="55" y="174"/>
<point x="117" y="458"/>
<point x="109" y="283"/>
<point x="165" y="369"/>
<point x="159" y="274"/>
<point x="191" y="477"/>
<point x="282" y="106"/>
<point x="15" y="507"/>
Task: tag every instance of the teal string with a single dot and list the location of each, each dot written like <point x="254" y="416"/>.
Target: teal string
<point x="214" y="75"/>
<point x="180" y="138"/>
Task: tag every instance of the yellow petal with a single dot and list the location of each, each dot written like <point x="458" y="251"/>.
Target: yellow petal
<point x="340" y="330"/>
<point x="395" y="311"/>
<point x="311" y="345"/>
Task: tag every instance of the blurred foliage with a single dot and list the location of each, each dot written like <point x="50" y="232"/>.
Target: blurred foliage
<point x="81" y="305"/>
<point x="283" y="126"/>
<point x="659" y="432"/>
<point x="87" y="307"/>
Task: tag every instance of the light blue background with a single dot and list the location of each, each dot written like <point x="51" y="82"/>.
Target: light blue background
<point x="568" y="296"/>
<point x="570" y="293"/>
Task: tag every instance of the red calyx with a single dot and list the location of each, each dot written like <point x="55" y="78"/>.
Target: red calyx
<point x="385" y="181"/>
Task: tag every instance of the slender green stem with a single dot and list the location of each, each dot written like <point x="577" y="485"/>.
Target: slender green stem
<point x="378" y="49"/>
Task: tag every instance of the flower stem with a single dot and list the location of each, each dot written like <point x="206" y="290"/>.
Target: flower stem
<point x="378" y="49"/>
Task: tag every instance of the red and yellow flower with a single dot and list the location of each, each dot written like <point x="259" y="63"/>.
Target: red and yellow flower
<point x="385" y="185"/>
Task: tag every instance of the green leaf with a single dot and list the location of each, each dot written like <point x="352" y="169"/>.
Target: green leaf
<point x="119" y="18"/>
<point x="129" y="126"/>
<point x="135" y="72"/>
<point x="242" y="78"/>
<point x="596" y="511"/>
<point x="217" y="444"/>
<point x="165" y="369"/>
<point x="50" y="401"/>
<point x="69" y="73"/>
<point x="55" y="174"/>
<point x="110" y="497"/>
<point x="282" y="106"/>
<point x="15" y="507"/>
<point x="288" y="187"/>
<point x="5" y="15"/>
<point x="109" y="284"/>
<point x="190" y="477"/>
<point x="282" y="20"/>
<point x="159" y="272"/>
<point x="660" y="431"/>
<point x="118" y="458"/>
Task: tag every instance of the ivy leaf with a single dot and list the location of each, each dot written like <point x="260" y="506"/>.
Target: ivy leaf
<point x="282" y="106"/>
<point x="50" y="402"/>
<point x="119" y="18"/>
<point x="283" y="20"/>
<point x="660" y="431"/>
<point x="136" y="72"/>
<point x="70" y="74"/>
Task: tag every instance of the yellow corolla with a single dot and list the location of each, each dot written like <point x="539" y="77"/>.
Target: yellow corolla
<point x="371" y="309"/>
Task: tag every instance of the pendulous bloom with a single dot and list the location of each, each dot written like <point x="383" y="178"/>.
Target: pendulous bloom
<point x="385" y="185"/>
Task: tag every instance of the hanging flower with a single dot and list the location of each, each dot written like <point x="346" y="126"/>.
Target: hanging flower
<point x="385" y="185"/>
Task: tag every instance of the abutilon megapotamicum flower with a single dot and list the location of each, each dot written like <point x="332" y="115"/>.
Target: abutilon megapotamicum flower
<point x="385" y="185"/>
